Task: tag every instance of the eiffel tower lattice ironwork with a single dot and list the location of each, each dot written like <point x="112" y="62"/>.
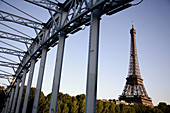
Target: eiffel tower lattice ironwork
<point x="134" y="90"/>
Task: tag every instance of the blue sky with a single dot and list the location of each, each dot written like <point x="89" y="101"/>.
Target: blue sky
<point x="151" y="21"/>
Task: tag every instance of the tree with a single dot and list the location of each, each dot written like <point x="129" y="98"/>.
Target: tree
<point x="117" y="109"/>
<point x="106" y="107"/>
<point x="99" y="106"/>
<point x="59" y="106"/>
<point x="81" y="100"/>
<point x="74" y="105"/>
<point x="42" y="103"/>
<point x="157" y="110"/>
<point x="112" y="107"/>
<point x="65" y="108"/>
<point x="2" y="98"/>
<point x="163" y="107"/>
<point x="122" y="108"/>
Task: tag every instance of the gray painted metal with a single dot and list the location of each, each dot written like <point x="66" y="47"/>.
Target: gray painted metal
<point x="46" y="4"/>
<point x="91" y="88"/>
<point x="57" y="74"/>
<point x="58" y="69"/>
<point x="72" y="22"/>
<point x="14" y="37"/>
<point x="5" y="77"/>
<point x="8" y="64"/>
<point x="15" y="95"/>
<point x="20" y="20"/>
<point x="6" y="105"/>
<point x="10" y="100"/>
<point x="39" y="81"/>
<point x="21" y="91"/>
<point x="11" y="51"/>
<point x="67" y="19"/>
<point x="28" y="86"/>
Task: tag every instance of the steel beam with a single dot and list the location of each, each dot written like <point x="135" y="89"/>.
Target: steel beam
<point x="15" y="95"/>
<point x="8" y="59"/>
<point x="79" y="18"/>
<point x="39" y="81"/>
<point x="47" y="4"/>
<point x="78" y="15"/>
<point x="28" y="86"/>
<point x="5" y="77"/>
<point x="10" y="100"/>
<point x="8" y="64"/>
<point x="6" y="105"/>
<point x="4" y="16"/>
<point x="14" y="37"/>
<point x="15" y="29"/>
<point x="11" y="51"/>
<point x="21" y="91"/>
<point x="91" y="88"/>
<point x="58" y="68"/>
<point x="57" y="74"/>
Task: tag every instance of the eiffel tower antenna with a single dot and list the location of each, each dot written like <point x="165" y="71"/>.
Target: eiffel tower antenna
<point x="132" y="24"/>
<point x="134" y="90"/>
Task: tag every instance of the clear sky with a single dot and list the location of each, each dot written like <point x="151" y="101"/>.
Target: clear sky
<point x="152" y="23"/>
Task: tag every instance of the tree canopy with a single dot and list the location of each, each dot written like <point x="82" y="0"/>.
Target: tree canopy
<point x="76" y="104"/>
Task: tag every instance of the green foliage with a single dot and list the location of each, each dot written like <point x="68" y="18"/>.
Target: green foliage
<point x="76" y="104"/>
<point x="99" y="106"/>
<point x="81" y="103"/>
<point x="112" y="107"/>
<point x="106" y="107"/>
<point x="2" y="98"/>
<point x="117" y="109"/>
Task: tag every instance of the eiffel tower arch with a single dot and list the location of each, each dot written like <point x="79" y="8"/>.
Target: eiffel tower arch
<point x="134" y="90"/>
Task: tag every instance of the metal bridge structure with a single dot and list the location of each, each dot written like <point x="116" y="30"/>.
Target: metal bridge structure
<point x="66" y="18"/>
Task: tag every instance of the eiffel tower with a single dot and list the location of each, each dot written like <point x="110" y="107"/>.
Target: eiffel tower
<point x="134" y="90"/>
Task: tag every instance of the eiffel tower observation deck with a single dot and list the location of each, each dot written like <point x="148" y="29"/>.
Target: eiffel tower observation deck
<point x="134" y="90"/>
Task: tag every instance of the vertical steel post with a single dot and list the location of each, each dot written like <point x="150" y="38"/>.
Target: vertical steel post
<point x="58" y="68"/>
<point x="57" y="74"/>
<point x="15" y="95"/>
<point x="39" y="80"/>
<point x="6" y="105"/>
<point x="10" y="100"/>
<point x="21" y="91"/>
<point x="3" y="109"/>
<point x="91" y="88"/>
<point x="28" y="86"/>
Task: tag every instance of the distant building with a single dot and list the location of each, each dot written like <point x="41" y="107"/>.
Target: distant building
<point x="134" y="90"/>
<point x="115" y="101"/>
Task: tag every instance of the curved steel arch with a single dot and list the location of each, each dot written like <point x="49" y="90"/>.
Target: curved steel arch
<point x="66" y="18"/>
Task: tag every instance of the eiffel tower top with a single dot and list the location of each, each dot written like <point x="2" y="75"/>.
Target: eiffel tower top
<point x="134" y="90"/>
<point x="133" y="63"/>
<point x="132" y="24"/>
